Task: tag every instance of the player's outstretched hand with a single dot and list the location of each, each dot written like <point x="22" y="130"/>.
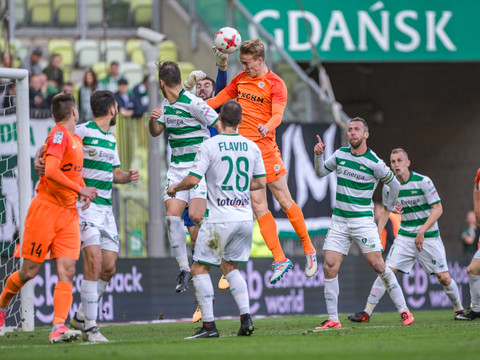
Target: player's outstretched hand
<point x="172" y="191"/>
<point x="39" y="165"/>
<point x="155" y="114"/>
<point x="193" y="78"/>
<point x="134" y="175"/>
<point x="319" y="147"/>
<point x="263" y="129"/>
<point x="221" y="58"/>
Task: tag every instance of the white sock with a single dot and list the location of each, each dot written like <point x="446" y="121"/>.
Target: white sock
<point x="474" y="281"/>
<point x="178" y="241"/>
<point x="101" y="286"/>
<point x="394" y="290"/>
<point x="238" y="289"/>
<point x="204" y="295"/>
<point x="376" y="293"/>
<point x="331" y="292"/>
<point x="89" y="296"/>
<point x="80" y="313"/>
<point x="453" y="295"/>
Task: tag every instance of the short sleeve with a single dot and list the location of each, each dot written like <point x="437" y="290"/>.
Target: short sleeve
<point x="231" y="88"/>
<point x="57" y="144"/>
<point x="429" y="191"/>
<point x="80" y="131"/>
<point x="201" y="111"/>
<point x="201" y="163"/>
<point x="382" y="172"/>
<point x="116" y="158"/>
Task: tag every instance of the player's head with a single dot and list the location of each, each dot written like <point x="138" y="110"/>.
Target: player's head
<point x="205" y="88"/>
<point x="357" y="132"/>
<point x="231" y="114"/>
<point x="103" y="104"/>
<point x="252" y="57"/>
<point x="63" y="108"/>
<point x="169" y="75"/>
<point x="399" y="161"/>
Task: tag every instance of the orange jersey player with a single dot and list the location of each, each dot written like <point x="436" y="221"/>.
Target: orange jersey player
<point x="52" y="219"/>
<point x="263" y="97"/>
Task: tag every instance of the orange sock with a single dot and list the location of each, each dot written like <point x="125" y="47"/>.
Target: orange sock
<point x="297" y="220"/>
<point x="268" y="229"/>
<point x="12" y="288"/>
<point x="62" y="301"/>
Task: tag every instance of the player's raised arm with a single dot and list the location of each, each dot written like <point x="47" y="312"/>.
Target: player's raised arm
<point x="221" y="98"/>
<point x="154" y="126"/>
<point x="320" y="166"/>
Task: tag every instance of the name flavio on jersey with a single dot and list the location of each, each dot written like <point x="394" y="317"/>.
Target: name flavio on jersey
<point x="251" y="97"/>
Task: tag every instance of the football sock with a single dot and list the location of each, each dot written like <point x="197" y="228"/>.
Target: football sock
<point x="89" y="298"/>
<point x="204" y="295"/>
<point x="268" y="229"/>
<point x="101" y="286"/>
<point x="453" y="295"/>
<point x="376" y="293"/>
<point x="12" y="288"/>
<point x="331" y="292"/>
<point x="62" y="301"/>
<point x="295" y="216"/>
<point x="394" y="290"/>
<point x="474" y="281"/>
<point x="178" y="241"/>
<point x="238" y="289"/>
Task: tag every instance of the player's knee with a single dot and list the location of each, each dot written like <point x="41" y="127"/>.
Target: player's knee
<point x="196" y="217"/>
<point x="108" y="272"/>
<point x="27" y="274"/>
<point x="444" y="278"/>
<point x="473" y="270"/>
<point x="330" y="269"/>
<point x="198" y="268"/>
<point x="378" y="266"/>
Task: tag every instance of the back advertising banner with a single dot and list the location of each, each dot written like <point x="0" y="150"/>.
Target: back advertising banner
<point x="314" y="195"/>
<point x="144" y="289"/>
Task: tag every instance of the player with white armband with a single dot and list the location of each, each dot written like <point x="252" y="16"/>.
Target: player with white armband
<point x="232" y="166"/>
<point x="358" y="170"/>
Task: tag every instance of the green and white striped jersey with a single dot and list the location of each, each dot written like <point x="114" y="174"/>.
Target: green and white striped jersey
<point x="186" y="121"/>
<point x="100" y="157"/>
<point x="417" y="196"/>
<point x="357" y="178"/>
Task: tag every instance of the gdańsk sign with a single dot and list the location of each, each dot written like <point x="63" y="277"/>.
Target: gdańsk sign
<point x="366" y="30"/>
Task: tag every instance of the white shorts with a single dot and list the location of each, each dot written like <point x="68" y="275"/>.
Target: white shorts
<point x="231" y="241"/>
<point x="403" y="254"/>
<point x="175" y="176"/>
<point x="342" y="233"/>
<point x="477" y="255"/>
<point x="98" y="227"/>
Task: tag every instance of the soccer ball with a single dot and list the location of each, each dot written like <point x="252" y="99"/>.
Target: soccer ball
<point x="227" y="40"/>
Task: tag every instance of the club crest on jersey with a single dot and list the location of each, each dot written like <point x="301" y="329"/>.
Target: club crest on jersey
<point x="92" y="152"/>
<point x="276" y="167"/>
<point x="261" y="84"/>
<point x="58" y="137"/>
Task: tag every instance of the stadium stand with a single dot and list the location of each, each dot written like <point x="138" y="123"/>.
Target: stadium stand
<point x="141" y="11"/>
<point x="133" y="72"/>
<point x="134" y="51"/>
<point x="65" y="11"/>
<point x="64" y="48"/>
<point x="114" y="50"/>
<point x="39" y="11"/>
<point x="100" y="69"/>
<point x="94" y="12"/>
<point x="167" y="50"/>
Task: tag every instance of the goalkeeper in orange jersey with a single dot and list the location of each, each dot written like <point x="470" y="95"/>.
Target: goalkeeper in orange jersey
<point x="52" y="219"/>
<point x="263" y="97"/>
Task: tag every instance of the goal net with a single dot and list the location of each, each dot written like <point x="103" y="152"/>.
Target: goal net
<point x="16" y="189"/>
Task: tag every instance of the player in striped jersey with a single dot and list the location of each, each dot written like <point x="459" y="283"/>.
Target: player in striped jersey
<point x="233" y="167"/>
<point x="98" y="231"/>
<point x="185" y="117"/>
<point x="358" y="172"/>
<point x="418" y="237"/>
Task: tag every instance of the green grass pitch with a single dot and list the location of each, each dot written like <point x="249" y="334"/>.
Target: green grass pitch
<point x="434" y="335"/>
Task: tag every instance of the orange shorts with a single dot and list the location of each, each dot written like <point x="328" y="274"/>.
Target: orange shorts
<point x="49" y="227"/>
<point x="272" y="159"/>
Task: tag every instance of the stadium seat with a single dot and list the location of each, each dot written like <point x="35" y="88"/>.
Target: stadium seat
<point x="86" y="53"/>
<point x="20" y="12"/>
<point x="40" y="11"/>
<point x="118" y="12"/>
<point x="64" y="48"/>
<point x="167" y="50"/>
<point x="114" y="50"/>
<point x="65" y="11"/>
<point x="94" y="12"/>
<point x="133" y="72"/>
<point x="185" y="68"/>
<point x="20" y="49"/>
<point x="100" y="69"/>
<point x="141" y="11"/>
<point x="134" y="51"/>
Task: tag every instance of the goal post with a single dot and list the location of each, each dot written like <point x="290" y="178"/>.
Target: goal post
<point x="20" y="76"/>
